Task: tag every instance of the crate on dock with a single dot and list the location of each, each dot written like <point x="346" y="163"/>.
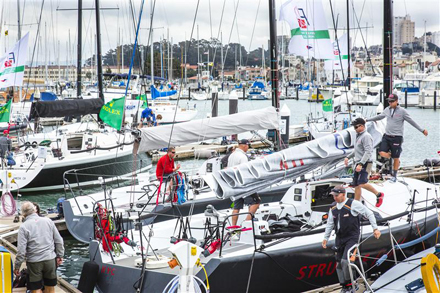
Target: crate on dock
<point x="6" y="270"/>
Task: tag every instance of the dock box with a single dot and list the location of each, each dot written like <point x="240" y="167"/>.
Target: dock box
<point x="6" y="270"/>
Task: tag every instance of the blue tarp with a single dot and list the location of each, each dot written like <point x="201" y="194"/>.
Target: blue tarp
<point x="240" y="86"/>
<point x="156" y="94"/>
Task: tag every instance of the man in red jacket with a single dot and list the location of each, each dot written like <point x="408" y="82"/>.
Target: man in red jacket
<point x="165" y="167"/>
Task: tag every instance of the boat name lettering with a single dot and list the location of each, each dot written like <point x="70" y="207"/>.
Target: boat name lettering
<point x="321" y="269"/>
<point x="108" y="270"/>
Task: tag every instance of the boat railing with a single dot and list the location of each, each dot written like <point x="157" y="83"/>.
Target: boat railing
<point x="354" y="252"/>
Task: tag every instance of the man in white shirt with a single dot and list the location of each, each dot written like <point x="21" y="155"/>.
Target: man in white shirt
<point x="236" y="158"/>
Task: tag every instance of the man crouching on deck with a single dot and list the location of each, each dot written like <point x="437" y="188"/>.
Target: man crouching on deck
<point x="344" y="218"/>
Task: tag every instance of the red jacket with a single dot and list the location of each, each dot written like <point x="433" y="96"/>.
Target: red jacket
<point x="165" y="166"/>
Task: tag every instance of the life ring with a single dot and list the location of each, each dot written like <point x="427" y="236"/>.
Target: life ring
<point x="430" y="267"/>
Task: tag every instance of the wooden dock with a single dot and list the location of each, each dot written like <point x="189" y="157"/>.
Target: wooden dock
<point x="8" y="236"/>
<point x="208" y="150"/>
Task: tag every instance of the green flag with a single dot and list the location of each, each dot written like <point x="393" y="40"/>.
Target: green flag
<point x="327" y="105"/>
<point x="112" y="113"/>
<point x="5" y="111"/>
<point x="144" y="99"/>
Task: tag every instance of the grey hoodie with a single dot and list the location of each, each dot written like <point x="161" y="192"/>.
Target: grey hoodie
<point x="395" y="120"/>
<point x="363" y="148"/>
<point x="38" y="240"/>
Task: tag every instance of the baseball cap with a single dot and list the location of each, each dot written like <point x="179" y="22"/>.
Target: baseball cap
<point x="358" y="121"/>
<point x="6" y="131"/>
<point x="337" y="189"/>
<point x="393" y="97"/>
<point x="244" y="141"/>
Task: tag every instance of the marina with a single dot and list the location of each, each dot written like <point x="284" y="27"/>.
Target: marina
<point x="217" y="146"/>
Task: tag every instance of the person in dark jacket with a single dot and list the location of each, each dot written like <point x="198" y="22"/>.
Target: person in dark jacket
<point x="343" y="217"/>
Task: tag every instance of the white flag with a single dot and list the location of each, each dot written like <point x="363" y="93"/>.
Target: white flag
<point x="13" y="63"/>
<point x="340" y="59"/>
<point x="308" y="29"/>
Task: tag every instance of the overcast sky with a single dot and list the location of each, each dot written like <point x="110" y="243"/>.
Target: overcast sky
<point x="177" y="16"/>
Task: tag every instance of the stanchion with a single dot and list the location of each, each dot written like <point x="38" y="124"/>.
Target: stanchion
<point x="406" y="98"/>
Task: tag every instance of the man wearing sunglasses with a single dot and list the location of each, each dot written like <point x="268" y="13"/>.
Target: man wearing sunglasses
<point x="363" y="151"/>
<point x="343" y="217"/>
<point x="391" y="145"/>
<point x="165" y="167"/>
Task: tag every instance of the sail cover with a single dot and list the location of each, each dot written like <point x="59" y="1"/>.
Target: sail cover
<point x="62" y="108"/>
<point x="247" y="178"/>
<point x="202" y="129"/>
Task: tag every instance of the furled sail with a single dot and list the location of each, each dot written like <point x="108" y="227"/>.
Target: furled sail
<point x="156" y="94"/>
<point x="62" y="108"/>
<point x="247" y="178"/>
<point x="202" y="129"/>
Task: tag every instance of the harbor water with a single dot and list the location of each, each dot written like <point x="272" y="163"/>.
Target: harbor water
<point x="416" y="148"/>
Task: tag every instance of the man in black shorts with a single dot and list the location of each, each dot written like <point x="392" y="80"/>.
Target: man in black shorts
<point x="363" y="151"/>
<point x="391" y="145"/>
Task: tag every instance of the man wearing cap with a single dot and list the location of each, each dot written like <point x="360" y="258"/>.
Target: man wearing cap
<point x="363" y="151"/>
<point x="236" y="158"/>
<point x="343" y="216"/>
<point x="391" y="145"/>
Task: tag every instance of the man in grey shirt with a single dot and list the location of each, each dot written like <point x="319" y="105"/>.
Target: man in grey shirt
<point x="41" y="243"/>
<point x="343" y="217"/>
<point x="363" y="151"/>
<point x="391" y="145"/>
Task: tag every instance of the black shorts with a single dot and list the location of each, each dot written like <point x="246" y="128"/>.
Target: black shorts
<point x="362" y="176"/>
<point x="250" y="200"/>
<point x="342" y="250"/>
<point x="393" y="144"/>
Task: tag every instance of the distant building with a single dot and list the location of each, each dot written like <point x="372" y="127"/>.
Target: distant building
<point x="435" y="38"/>
<point x="404" y="30"/>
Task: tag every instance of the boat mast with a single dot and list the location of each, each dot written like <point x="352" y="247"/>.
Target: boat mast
<point x="78" y="50"/>
<point x="348" y="46"/>
<point x="388" y="50"/>
<point x="151" y="46"/>
<point x="98" y="50"/>
<point x="19" y="38"/>
<point x="274" y="66"/>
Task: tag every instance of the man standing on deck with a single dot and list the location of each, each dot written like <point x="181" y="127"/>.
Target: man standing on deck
<point x="343" y="216"/>
<point x="363" y="150"/>
<point x="391" y="145"/>
<point x="5" y="146"/>
<point x="165" y="167"/>
<point x="236" y="158"/>
<point x="41" y="244"/>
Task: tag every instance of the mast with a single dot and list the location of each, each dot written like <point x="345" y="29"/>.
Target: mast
<point x="98" y="50"/>
<point x="151" y="45"/>
<point x="388" y="50"/>
<point x="348" y="46"/>
<point x="424" y="49"/>
<point x="78" y="51"/>
<point x="274" y="67"/>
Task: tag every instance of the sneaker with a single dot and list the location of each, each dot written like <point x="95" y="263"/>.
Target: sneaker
<point x="379" y="199"/>
<point x="393" y="179"/>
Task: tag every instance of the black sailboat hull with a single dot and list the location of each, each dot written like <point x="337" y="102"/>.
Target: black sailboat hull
<point x="52" y="178"/>
<point x="296" y="269"/>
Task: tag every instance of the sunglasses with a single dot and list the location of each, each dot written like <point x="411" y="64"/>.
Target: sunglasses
<point x="173" y="152"/>
<point x="357" y="126"/>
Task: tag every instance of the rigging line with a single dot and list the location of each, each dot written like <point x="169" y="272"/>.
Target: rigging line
<point x="180" y="89"/>
<point x="363" y="40"/>
<point x="253" y="31"/>
<point x="340" y="58"/>
<point x="210" y="20"/>
<point x="108" y="37"/>
<point x="218" y="35"/>
<point x="360" y="18"/>
<point x="33" y="51"/>
<point x="230" y="34"/>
